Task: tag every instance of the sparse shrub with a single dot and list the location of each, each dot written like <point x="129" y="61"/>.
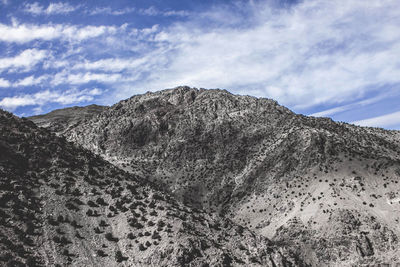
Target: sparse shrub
<point x="71" y="206"/>
<point x="156" y="235"/>
<point x="76" y="225"/>
<point x="153" y="213"/>
<point x="51" y="221"/>
<point x="32" y="262"/>
<point x="60" y="219"/>
<point x="92" y="204"/>
<point x="98" y="231"/>
<point x="103" y="223"/>
<point x="101" y="202"/>
<point x="78" y="235"/>
<point x="101" y="253"/>
<point x="119" y="257"/>
<point x="110" y="237"/>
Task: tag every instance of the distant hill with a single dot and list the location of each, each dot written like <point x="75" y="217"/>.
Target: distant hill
<point x="329" y="190"/>
<point x="58" y="119"/>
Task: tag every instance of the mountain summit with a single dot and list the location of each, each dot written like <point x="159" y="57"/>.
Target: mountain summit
<point x="327" y="190"/>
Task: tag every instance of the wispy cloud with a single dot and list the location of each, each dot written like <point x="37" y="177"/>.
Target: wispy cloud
<point x="45" y="97"/>
<point x="110" y="11"/>
<point x="66" y="77"/>
<point x="355" y="105"/>
<point x="4" y="83"/>
<point x="25" y="33"/>
<point x="317" y="52"/>
<point x="30" y="80"/>
<point x="386" y="120"/>
<point x="52" y="9"/>
<point x="24" y="61"/>
<point x="112" y="64"/>
<point x="153" y="11"/>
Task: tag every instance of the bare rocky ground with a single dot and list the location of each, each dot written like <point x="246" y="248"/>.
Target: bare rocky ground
<point x="61" y="205"/>
<point x="326" y="191"/>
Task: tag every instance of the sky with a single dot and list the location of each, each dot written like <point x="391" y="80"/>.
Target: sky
<point x="337" y="59"/>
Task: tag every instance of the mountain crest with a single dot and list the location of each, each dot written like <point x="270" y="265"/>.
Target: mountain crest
<point x="285" y="176"/>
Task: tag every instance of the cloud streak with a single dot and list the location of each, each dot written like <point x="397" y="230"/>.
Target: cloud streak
<point x="25" y="61"/>
<point x="52" y="9"/>
<point x="387" y="120"/>
<point x="110" y="11"/>
<point x="26" y="33"/>
<point x="153" y="11"/>
<point x="4" y="83"/>
<point x="47" y="96"/>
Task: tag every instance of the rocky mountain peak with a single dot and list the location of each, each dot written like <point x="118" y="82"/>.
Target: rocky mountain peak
<point x="285" y="176"/>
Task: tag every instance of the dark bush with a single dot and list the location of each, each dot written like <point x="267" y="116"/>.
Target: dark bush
<point x="110" y="237"/>
<point x="119" y="257"/>
<point x="101" y="253"/>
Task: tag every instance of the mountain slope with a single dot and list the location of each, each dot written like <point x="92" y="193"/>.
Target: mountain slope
<point x="333" y="186"/>
<point x="61" y="205"/>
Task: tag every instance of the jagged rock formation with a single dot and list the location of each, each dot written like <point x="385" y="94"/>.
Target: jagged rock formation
<point x="62" y="205"/>
<point x="328" y="189"/>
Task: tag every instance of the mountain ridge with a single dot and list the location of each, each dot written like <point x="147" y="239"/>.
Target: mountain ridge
<point x="283" y="175"/>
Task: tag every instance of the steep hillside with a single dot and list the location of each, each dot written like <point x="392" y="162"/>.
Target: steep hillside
<point x="61" y="205"/>
<point x="329" y="189"/>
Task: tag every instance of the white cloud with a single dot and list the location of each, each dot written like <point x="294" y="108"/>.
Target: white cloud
<point x="110" y="11"/>
<point x="30" y="80"/>
<point x="66" y="77"/>
<point x="60" y="8"/>
<point x="153" y="11"/>
<point x="4" y="83"/>
<point x="112" y="64"/>
<point x="387" y="120"/>
<point x="314" y="53"/>
<point x="356" y="105"/>
<point x="25" y="33"/>
<point x="25" y="61"/>
<point x="44" y="97"/>
<point x="52" y="9"/>
<point x="34" y="8"/>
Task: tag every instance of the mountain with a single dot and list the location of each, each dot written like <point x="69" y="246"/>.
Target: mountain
<point x="328" y="190"/>
<point x="61" y="205"/>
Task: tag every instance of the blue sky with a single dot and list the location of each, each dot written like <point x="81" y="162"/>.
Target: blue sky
<point x="339" y="59"/>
